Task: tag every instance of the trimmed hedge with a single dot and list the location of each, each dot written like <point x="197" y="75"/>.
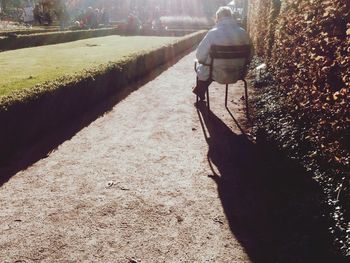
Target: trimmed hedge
<point x="28" y="31"/>
<point x="171" y="32"/>
<point x="259" y="22"/>
<point x="32" y="40"/>
<point x="306" y="45"/>
<point x="12" y="41"/>
<point x="27" y="115"/>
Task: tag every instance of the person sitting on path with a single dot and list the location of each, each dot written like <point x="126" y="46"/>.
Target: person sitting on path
<point x="225" y="33"/>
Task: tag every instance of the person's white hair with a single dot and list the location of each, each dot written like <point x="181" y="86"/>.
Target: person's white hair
<point x="223" y="11"/>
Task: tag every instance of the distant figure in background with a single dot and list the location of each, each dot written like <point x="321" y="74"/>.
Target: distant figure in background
<point x="156" y="22"/>
<point x="225" y="33"/>
<point x="79" y="20"/>
<point x="47" y="18"/>
<point x="96" y="18"/>
<point x="63" y="16"/>
<point x="77" y="25"/>
<point x="28" y="15"/>
<point x="105" y="17"/>
<point x="133" y="23"/>
<point x="90" y="18"/>
<point x="37" y="15"/>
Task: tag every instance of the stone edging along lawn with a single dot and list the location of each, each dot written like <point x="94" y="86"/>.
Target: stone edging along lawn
<point x="49" y="38"/>
<point x="27" y="115"/>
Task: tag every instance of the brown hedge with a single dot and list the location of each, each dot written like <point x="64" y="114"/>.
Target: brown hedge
<point x="306" y="44"/>
<point x="258" y="23"/>
<point x="27" y="115"/>
<point x="311" y="58"/>
<point x="308" y="50"/>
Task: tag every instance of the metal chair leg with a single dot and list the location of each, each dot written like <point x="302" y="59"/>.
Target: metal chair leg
<point x="246" y="96"/>
<point x="226" y="95"/>
<point x="208" y="98"/>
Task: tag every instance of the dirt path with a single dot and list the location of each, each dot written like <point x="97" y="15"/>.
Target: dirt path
<point x="156" y="180"/>
<point x="131" y="187"/>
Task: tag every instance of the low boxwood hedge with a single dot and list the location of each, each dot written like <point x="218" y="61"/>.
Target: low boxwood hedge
<point x="27" y="115"/>
<point x="11" y="41"/>
<point x="28" y="31"/>
<point x="40" y="39"/>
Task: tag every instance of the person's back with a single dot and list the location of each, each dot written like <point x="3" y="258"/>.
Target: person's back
<point x="225" y="33"/>
<point x="228" y="33"/>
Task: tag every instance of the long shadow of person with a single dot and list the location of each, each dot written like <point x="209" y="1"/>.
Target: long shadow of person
<point x="273" y="207"/>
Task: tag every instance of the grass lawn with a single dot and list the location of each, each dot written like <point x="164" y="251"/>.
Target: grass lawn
<point x="23" y="68"/>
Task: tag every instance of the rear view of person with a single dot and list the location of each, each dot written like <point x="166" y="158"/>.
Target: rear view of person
<point x="225" y="33"/>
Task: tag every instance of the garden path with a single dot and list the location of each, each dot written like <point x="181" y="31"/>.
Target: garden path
<point x="133" y="186"/>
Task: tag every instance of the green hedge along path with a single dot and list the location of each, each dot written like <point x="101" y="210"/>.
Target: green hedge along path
<point x="25" y="68"/>
<point x="28" y="31"/>
<point x="17" y="41"/>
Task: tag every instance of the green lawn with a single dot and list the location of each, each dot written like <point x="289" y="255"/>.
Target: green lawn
<point x="23" y="68"/>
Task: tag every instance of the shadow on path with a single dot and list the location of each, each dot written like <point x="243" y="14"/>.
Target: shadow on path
<point x="41" y="149"/>
<point x="272" y="206"/>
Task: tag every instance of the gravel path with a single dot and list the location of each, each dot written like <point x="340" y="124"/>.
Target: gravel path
<point x="133" y="186"/>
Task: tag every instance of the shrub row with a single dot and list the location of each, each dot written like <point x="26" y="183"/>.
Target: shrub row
<point x="40" y="39"/>
<point x="258" y="17"/>
<point x="27" y="115"/>
<point x="28" y="31"/>
<point x="306" y="45"/>
<point x="13" y="41"/>
<point x="151" y="32"/>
